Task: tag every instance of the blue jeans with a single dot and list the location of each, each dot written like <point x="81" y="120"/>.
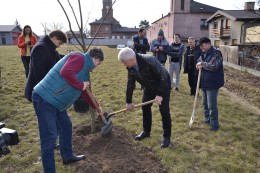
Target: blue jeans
<point x="209" y="98"/>
<point x="51" y="121"/>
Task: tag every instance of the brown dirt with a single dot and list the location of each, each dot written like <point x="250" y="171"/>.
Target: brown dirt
<point x="115" y="153"/>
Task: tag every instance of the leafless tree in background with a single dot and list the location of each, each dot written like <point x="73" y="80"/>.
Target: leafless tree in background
<point x="47" y="28"/>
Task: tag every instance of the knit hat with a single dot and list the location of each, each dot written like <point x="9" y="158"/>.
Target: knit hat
<point x="160" y="33"/>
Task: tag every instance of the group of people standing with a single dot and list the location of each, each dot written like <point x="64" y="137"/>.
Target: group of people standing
<point x="55" y="82"/>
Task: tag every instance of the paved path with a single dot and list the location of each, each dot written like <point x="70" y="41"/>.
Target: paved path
<point x="249" y="70"/>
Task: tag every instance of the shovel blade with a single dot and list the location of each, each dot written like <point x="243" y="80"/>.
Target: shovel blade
<point x="107" y="128"/>
<point x="192" y="118"/>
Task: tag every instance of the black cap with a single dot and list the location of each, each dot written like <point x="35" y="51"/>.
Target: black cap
<point x="204" y="40"/>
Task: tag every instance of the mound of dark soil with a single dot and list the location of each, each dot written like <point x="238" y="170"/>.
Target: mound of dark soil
<point x="115" y="153"/>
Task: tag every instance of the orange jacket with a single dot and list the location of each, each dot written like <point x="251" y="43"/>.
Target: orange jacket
<point x="21" y="43"/>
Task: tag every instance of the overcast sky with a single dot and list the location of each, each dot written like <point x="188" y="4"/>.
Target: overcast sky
<point x="128" y="12"/>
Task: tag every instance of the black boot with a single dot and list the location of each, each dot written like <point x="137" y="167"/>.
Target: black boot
<point x="74" y="159"/>
<point x="166" y="142"/>
<point x="142" y="136"/>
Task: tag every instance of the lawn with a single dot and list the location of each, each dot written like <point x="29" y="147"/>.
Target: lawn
<point x="234" y="148"/>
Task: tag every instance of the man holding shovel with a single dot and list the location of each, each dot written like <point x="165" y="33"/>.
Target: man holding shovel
<point x="211" y="63"/>
<point x="54" y="94"/>
<point x="151" y="74"/>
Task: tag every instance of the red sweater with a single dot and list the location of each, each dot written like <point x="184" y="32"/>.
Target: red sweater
<point x="69" y="71"/>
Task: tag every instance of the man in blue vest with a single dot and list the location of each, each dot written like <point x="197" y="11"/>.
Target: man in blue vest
<point x="211" y="64"/>
<point x="54" y="94"/>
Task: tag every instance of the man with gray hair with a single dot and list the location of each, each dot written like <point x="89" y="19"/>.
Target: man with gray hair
<point x="150" y="73"/>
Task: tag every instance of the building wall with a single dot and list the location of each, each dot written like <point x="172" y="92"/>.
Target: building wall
<point x="103" y="42"/>
<point x="119" y="35"/>
<point x="7" y="36"/>
<point x="189" y="25"/>
<point x="184" y="24"/>
<point x="153" y="30"/>
<point x="252" y="32"/>
<point x="105" y="30"/>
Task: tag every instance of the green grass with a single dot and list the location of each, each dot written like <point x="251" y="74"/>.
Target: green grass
<point x="234" y="148"/>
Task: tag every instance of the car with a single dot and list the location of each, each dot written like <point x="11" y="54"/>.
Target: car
<point x="120" y="46"/>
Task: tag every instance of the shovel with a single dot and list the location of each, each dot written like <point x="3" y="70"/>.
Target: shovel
<point x="123" y="110"/>
<point x="108" y="126"/>
<point x="195" y="100"/>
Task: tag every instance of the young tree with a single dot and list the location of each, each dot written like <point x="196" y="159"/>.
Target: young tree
<point x="81" y="28"/>
<point x="144" y="24"/>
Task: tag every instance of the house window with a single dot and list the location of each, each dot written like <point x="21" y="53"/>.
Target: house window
<point x="234" y="41"/>
<point x="182" y="4"/>
<point x="204" y="24"/>
<point x="227" y="24"/>
<point x="215" y="25"/>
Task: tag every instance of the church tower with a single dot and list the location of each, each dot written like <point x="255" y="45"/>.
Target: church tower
<point x="106" y="5"/>
<point x="180" y="6"/>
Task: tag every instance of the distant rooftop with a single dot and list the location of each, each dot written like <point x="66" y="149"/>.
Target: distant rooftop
<point x="237" y="15"/>
<point x="125" y="29"/>
<point x="7" y="28"/>
<point x="196" y="7"/>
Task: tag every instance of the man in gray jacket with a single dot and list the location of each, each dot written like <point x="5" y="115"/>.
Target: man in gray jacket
<point x="160" y="47"/>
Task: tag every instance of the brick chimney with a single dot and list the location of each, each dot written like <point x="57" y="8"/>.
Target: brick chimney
<point x="249" y="6"/>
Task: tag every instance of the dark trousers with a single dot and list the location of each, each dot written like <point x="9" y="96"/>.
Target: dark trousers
<point x="192" y="79"/>
<point x="164" y="110"/>
<point x="26" y="63"/>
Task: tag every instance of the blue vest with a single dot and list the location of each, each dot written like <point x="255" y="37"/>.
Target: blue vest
<point x="210" y="79"/>
<point x="56" y="91"/>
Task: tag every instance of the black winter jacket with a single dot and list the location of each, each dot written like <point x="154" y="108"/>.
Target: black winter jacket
<point x="190" y="59"/>
<point x="43" y="57"/>
<point x="140" y="48"/>
<point x="152" y="75"/>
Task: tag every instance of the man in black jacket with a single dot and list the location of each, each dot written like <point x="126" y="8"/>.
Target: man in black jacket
<point x="43" y="57"/>
<point x="150" y="73"/>
<point x="141" y="44"/>
<point x="191" y="57"/>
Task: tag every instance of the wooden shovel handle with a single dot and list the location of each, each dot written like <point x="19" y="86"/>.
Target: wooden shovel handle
<point x="135" y="106"/>
<point x="93" y="99"/>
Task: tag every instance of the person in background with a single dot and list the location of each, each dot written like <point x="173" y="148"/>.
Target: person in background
<point x="211" y="64"/>
<point x="150" y="73"/>
<point x="141" y="44"/>
<point x="175" y="61"/>
<point x="191" y="57"/>
<point x="26" y="41"/>
<point x="160" y="47"/>
<point x="43" y="57"/>
<point x="54" y="94"/>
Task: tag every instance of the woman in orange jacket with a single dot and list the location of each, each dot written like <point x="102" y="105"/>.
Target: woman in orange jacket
<point x="26" y="41"/>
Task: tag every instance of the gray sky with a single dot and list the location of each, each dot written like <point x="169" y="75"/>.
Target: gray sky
<point x="128" y="12"/>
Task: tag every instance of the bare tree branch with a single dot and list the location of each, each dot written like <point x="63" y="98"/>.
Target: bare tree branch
<point x="73" y="13"/>
<point x="70" y="23"/>
<point x="81" y="27"/>
<point x="88" y="18"/>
